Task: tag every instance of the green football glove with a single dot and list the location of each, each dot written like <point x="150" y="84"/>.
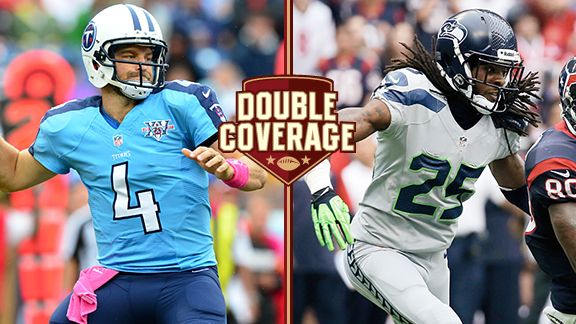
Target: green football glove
<point x="331" y="219"/>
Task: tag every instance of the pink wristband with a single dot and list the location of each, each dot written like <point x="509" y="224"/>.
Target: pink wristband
<point x="241" y="174"/>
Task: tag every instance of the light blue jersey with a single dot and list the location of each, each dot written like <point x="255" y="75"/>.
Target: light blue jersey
<point x="149" y="202"/>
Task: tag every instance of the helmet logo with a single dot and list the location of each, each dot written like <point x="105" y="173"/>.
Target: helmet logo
<point x="89" y="37"/>
<point x="453" y="30"/>
<point x="568" y="79"/>
<point x="568" y="87"/>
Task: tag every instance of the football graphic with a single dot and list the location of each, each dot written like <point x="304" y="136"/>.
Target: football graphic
<point x="288" y="163"/>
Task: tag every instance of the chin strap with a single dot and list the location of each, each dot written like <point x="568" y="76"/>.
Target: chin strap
<point x="131" y="91"/>
<point x="483" y="105"/>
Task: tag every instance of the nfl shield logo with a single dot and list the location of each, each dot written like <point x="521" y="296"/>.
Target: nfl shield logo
<point x="118" y="140"/>
<point x="462" y="141"/>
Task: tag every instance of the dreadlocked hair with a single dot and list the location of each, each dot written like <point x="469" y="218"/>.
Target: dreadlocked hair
<point x="520" y="109"/>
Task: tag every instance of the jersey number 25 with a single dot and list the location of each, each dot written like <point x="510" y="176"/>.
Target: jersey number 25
<point x="405" y="202"/>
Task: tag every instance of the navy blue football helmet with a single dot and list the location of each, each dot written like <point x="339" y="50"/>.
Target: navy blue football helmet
<point x="472" y="38"/>
<point x="567" y="90"/>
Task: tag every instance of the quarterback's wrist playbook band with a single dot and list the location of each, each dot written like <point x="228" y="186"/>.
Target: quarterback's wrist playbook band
<point x="241" y="174"/>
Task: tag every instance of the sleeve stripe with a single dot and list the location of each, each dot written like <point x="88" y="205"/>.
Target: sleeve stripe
<point x="95" y="101"/>
<point x="206" y="97"/>
<point x="413" y="97"/>
<point x="550" y="164"/>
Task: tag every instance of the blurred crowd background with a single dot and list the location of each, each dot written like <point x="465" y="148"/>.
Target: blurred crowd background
<point x="46" y="233"/>
<point x="494" y="279"/>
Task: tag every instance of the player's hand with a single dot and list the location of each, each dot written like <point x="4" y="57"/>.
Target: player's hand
<point x="509" y="120"/>
<point x="331" y="219"/>
<point x="211" y="161"/>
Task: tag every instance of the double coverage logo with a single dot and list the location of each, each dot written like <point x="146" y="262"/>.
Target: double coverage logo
<point x="287" y="124"/>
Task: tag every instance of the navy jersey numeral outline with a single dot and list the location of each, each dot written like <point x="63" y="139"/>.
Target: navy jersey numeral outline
<point x="405" y="201"/>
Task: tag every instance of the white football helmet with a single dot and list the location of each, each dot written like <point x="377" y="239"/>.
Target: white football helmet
<point x="120" y="25"/>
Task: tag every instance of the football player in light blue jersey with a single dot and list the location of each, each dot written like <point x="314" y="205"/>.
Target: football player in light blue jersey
<point x="143" y="149"/>
<point x="441" y="119"/>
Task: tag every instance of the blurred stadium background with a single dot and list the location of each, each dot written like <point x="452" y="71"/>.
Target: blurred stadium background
<point x="45" y="233"/>
<point x="350" y="41"/>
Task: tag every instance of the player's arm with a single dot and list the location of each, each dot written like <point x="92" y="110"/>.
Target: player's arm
<point x="330" y="214"/>
<point x="564" y="224"/>
<point x="241" y="172"/>
<point x="19" y="169"/>
<point x="374" y="116"/>
<point x="509" y="173"/>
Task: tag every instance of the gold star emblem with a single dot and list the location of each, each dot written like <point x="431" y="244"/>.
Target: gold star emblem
<point x="270" y="159"/>
<point x="305" y="160"/>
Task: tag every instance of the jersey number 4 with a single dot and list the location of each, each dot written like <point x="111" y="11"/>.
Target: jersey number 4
<point x="405" y="202"/>
<point x="147" y="208"/>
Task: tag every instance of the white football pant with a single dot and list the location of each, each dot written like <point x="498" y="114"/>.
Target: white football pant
<point x="411" y="288"/>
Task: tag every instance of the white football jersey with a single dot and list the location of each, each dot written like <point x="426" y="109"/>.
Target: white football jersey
<point x="425" y="166"/>
<point x="314" y="37"/>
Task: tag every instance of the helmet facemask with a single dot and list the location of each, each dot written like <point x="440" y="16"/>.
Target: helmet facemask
<point x="569" y="114"/>
<point x="141" y="87"/>
<point x="512" y="70"/>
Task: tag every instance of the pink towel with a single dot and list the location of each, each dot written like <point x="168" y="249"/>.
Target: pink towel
<point x="83" y="299"/>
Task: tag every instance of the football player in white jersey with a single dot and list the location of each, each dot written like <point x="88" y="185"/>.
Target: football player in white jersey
<point x="440" y="119"/>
